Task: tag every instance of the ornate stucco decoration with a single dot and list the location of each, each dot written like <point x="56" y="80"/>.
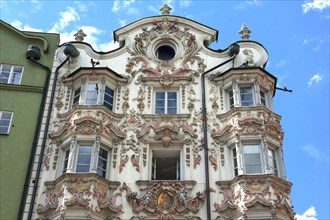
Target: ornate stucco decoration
<point x="89" y="191"/>
<point x="248" y="121"/>
<point x="80" y="35"/>
<point x="142" y="58"/>
<point x="166" y="130"/>
<point x="165" y="200"/>
<point x="244" y="32"/>
<point x="130" y="144"/>
<point x="165" y="9"/>
<point x="249" y="59"/>
<point x="239" y="195"/>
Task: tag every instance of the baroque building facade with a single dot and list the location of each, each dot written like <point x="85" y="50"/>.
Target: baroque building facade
<point x="161" y="128"/>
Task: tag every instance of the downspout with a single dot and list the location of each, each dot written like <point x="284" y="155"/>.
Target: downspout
<point x="36" y="135"/>
<point x="69" y="51"/>
<point x="233" y="51"/>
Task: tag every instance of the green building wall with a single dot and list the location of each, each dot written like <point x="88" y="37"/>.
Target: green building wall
<point x="24" y="101"/>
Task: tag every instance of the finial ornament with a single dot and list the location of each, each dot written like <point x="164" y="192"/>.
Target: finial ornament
<point x="165" y="9"/>
<point x="244" y="32"/>
<point x="80" y="35"/>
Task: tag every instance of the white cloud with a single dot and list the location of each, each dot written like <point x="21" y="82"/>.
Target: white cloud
<point x="309" y="214"/>
<point x="315" y="5"/>
<point x="282" y="63"/>
<point x="36" y="6"/>
<point x="108" y="46"/>
<point x="126" y="6"/>
<point x="248" y="3"/>
<point x="312" y="151"/>
<point x="19" y="25"/>
<point x="314" y="80"/>
<point x="184" y="3"/>
<point x="115" y="7"/>
<point x="66" y="17"/>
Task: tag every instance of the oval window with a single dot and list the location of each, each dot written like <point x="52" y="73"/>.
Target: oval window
<point x="165" y="52"/>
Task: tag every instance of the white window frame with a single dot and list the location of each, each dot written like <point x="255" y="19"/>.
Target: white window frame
<point x="93" y="158"/>
<point x="258" y="98"/>
<point x="12" y="77"/>
<point x="166" y="153"/>
<point x="80" y="93"/>
<point x="273" y="161"/>
<point x="166" y="100"/>
<point x="245" y="155"/>
<point x="235" y="160"/>
<point x="4" y="121"/>
<point x="241" y="101"/>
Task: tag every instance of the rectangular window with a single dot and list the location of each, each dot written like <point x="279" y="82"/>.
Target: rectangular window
<point x="66" y="159"/>
<point x="166" y="103"/>
<point x="5" y="122"/>
<point x="272" y="161"/>
<point x="263" y="98"/>
<point x="84" y="158"/>
<point x="231" y="99"/>
<point x="165" y="165"/>
<point x="11" y="74"/>
<point x="91" y="94"/>
<point x="252" y="159"/>
<point x="246" y="96"/>
<point x="108" y="98"/>
<point x="102" y="162"/>
<point x="235" y="162"/>
<point x="76" y="96"/>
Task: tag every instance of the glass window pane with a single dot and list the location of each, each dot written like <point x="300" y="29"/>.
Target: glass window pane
<point x="251" y="149"/>
<point x="160" y="95"/>
<point x="85" y="149"/>
<point x="171" y="103"/>
<point x="171" y="95"/>
<point x="82" y="169"/>
<point x="246" y="90"/>
<point x="3" y="130"/>
<point x="84" y="159"/>
<point x="252" y="159"/>
<point x="171" y="111"/>
<point x="103" y="153"/>
<point x="160" y="111"/>
<point x="247" y="97"/>
<point x="109" y="106"/>
<point x="109" y="91"/>
<point x="6" y="68"/>
<point x="4" y="123"/>
<point x="253" y="169"/>
<point x="160" y="104"/>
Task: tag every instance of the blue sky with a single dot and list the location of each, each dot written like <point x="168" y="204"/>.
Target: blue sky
<point x="295" y="33"/>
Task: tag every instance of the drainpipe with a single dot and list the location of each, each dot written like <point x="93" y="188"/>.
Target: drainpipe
<point x="233" y="51"/>
<point x="69" y="51"/>
<point x="33" y="54"/>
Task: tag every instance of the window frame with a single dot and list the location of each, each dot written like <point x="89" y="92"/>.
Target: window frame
<point x="2" y="120"/>
<point x="11" y="77"/>
<point x="80" y="93"/>
<point x="166" y="100"/>
<point x="94" y="158"/>
<point x="179" y="165"/>
<point x="248" y="164"/>
<point x="241" y="101"/>
<point x="273" y="161"/>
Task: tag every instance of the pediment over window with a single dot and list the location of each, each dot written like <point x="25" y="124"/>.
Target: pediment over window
<point x="87" y="121"/>
<point x="166" y="129"/>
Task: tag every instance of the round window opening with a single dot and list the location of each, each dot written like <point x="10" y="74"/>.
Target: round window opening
<point x="165" y="52"/>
